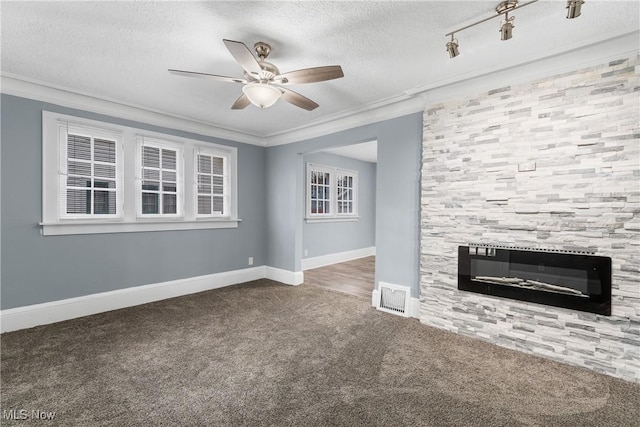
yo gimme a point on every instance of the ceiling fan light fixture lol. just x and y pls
(261, 94)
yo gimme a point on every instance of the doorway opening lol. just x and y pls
(338, 241)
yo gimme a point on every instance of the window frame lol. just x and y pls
(66, 129)
(333, 214)
(128, 219)
(226, 187)
(141, 142)
(354, 188)
(311, 168)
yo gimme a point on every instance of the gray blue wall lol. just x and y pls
(38, 269)
(323, 238)
(397, 197)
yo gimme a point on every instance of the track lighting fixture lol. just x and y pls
(573, 8)
(506, 28)
(452, 47)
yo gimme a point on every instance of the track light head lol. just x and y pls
(506, 31)
(574, 8)
(452, 48)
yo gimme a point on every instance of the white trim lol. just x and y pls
(333, 219)
(416, 99)
(413, 304)
(413, 308)
(287, 277)
(13, 84)
(229, 193)
(160, 144)
(391, 108)
(411, 101)
(130, 218)
(56, 311)
(59, 229)
(460, 86)
(333, 214)
(335, 258)
(55, 129)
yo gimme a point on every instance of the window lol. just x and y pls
(320, 193)
(331, 193)
(212, 180)
(344, 184)
(104, 178)
(160, 191)
(90, 160)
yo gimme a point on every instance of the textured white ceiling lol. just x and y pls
(121, 50)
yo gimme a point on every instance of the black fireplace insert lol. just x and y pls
(576, 281)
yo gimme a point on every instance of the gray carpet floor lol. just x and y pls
(265, 354)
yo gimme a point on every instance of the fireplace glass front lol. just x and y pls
(576, 281)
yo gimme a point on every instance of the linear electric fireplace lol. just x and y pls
(576, 281)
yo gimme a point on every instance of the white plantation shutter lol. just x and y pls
(160, 178)
(88, 171)
(98, 177)
(211, 184)
(169, 181)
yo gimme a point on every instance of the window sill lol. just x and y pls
(92, 227)
(333, 219)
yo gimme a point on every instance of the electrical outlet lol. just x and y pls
(250, 260)
(306, 252)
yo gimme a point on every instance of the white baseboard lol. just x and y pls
(413, 305)
(324, 260)
(29, 316)
(56, 311)
(287, 277)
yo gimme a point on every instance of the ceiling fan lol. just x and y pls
(263, 82)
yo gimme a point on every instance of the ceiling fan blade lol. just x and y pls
(207, 76)
(243, 55)
(241, 102)
(298, 100)
(310, 75)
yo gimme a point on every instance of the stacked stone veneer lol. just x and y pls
(581, 129)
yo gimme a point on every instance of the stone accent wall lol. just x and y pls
(579, 132)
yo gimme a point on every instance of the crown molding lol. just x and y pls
(371, 113)
(12, 84)
(550, 65)
(411, 101)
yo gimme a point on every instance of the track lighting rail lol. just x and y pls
(506, 29)
(503, 12)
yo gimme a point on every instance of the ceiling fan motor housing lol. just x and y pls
(269, 71)
(262, 49)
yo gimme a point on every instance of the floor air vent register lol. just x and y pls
(393, 299)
